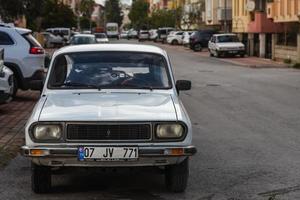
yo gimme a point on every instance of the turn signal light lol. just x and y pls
(39, 152)
(177, 152)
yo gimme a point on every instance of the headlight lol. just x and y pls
(47, 132)
(169, 131)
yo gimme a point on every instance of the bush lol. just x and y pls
(296, 65)
(287, 61)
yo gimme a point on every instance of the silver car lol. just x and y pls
(109, 105)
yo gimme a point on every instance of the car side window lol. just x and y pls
(5, 39)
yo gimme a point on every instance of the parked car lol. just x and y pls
(124, 34)
(199, 39)
(23, 55)
(186, 38)
(226, 44)
(175, 37)
(6, 81)
(143, 35)
(83, 39)
(101, 38)
(162, 34)
(153, 34)
(110, 106)
(66, 33)
(112, 30)
(132, 34)
(52, 40)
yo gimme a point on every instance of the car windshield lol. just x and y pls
(227, 38)
(83, 40)
(118, 70)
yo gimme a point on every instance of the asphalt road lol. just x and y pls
(246, 127)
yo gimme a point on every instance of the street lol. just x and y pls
(246, 126)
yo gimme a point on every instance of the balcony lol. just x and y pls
(224, 14)
(261, 24)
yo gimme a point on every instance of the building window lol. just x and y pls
(289, 36)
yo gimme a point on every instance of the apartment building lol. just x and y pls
(250, 21)
(218, 13)
(193, 12)
(286, 44)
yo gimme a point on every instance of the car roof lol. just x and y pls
(224, 34)
(111, 47)
(84, 35)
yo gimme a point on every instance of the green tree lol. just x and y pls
(113, 11)
(138, 14)
(163, 18)
(11, 9)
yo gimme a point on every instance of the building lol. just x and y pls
(250, 21)
(218, 13)
(72, 4)
(286, 44)
(193, 14)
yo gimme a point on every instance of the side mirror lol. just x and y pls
(37, 85)
(183, 85)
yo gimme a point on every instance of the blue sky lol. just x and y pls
(123, 1)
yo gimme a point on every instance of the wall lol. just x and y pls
(240, 16)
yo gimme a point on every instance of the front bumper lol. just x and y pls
(148, 156)
(232, 52)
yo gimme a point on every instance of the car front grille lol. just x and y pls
(108, 132)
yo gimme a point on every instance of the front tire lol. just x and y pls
(40, 178)
(176, 176)
(197, 47)
(174, 42)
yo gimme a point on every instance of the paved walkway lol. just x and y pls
(13, 117)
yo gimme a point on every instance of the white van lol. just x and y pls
(112, 30)
(65, 32)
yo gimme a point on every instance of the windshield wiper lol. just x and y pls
(132, 86)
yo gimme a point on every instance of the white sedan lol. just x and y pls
(6, 81)
(109, 105)
(226, 44)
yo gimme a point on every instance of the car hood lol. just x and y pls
(100, 106)
(230, 44)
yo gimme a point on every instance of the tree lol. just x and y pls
(12, 9)
(163, 18)
(113, 12)
(138, 14)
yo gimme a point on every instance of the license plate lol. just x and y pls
(232, 51)
(107, 153)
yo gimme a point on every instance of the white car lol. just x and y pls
(186, 38)
(124, 34)
(112, 30)
(226, 44)
(101, 38)
(23, 55)
(6, 81)
(153, 34)
(109, 105)
(66, 33)
(52, 40)
(175, 37)
(143, 35)
(81, 39)
(132, 34)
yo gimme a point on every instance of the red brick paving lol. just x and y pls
(13, 117)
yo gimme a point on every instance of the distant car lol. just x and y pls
(101, 38)
(6, 81)
(153, 34)
(186, 38)
(132, 34)
(162, 34)
(199, 39)
(86, 32)
(24, 55)
(143, 35)
(66, 33)
(175, 37)
(52, 40)
(112, 30)
(83, 39)
(124, 34)
(226, 44)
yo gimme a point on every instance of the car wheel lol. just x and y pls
(242, 55)
(174, 42)
(197, 47)
(176, 176)
(217, 54)
(40, 178)
(210, 53)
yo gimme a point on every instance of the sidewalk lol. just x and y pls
(13, 117)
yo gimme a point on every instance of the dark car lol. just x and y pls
(199, 39)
